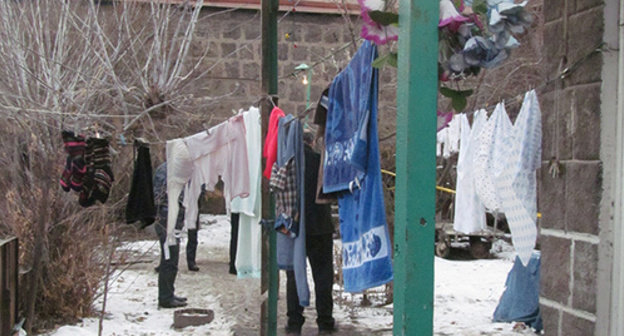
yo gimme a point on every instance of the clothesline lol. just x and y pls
(563, 74)
(322, 60)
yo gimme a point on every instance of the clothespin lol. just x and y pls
(554, 168)
(96, 128)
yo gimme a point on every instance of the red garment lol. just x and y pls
(270, 143)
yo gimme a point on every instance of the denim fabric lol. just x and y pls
(520, 300)
(289, 145)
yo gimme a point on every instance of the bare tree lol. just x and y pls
(94, 68)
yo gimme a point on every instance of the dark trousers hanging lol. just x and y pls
(140, 206)
(168, 269)
(233, 241)
(320, 250)
(191, 247)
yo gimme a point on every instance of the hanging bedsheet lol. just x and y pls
(469, 210)
(517, 183)
(352, 166)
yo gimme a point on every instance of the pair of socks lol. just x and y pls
(99, 175)
(75, 166)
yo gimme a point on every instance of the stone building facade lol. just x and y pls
(233, 44)
(579, 227)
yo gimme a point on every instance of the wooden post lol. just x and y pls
(416, 161)
(270, 273)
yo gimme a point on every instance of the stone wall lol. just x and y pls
(570, 201)
(231, 41)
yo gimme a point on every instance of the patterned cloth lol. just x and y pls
(353, 156)
(283, 184)
(489, 157)
(517, 183)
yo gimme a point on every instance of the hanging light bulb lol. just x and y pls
(305, 80)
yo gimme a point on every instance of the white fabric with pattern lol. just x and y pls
(489, 159)
(517, 183)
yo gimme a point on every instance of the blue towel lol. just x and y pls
(291, 252)
(349, 107)
(520, 300)
(352, 116)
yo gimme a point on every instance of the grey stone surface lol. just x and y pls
(554, 47)
(555, 272)
(582, 5)
(585, 33)
(575, 326)
(551, 200)
(550, 317)
(553, 9)
(584, 103)
(583, 181)
(585, 271)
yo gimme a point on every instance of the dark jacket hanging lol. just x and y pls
(141, 199)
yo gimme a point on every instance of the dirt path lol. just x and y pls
(239, 299)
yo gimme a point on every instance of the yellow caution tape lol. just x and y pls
(450, 191)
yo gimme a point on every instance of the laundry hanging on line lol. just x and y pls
(140, 205)
(201, 159)
(248, 259)
(352, 168)
(87, 168)
(497, 167)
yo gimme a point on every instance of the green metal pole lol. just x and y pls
(270, 273)
(416, 161)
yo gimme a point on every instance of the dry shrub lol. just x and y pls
(71, 65)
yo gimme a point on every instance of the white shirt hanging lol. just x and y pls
(517, 182)
(469, 211)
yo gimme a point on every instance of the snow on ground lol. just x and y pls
(466, 294)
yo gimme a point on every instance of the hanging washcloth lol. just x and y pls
(490, 156)
(469, 211)
(517, 183)
(248, 254)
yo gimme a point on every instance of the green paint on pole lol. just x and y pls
(269, 87)
(416, 161)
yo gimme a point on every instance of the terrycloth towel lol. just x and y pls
(345, 136)
(469, 210)
(520, 300)
(489, 159)
(517, 183)
(352, 122)
(291, 252)
(248, 254)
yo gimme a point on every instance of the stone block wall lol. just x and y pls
(231, 43)
(570, 201)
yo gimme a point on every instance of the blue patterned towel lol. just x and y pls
(352, 120)
(345, 136)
